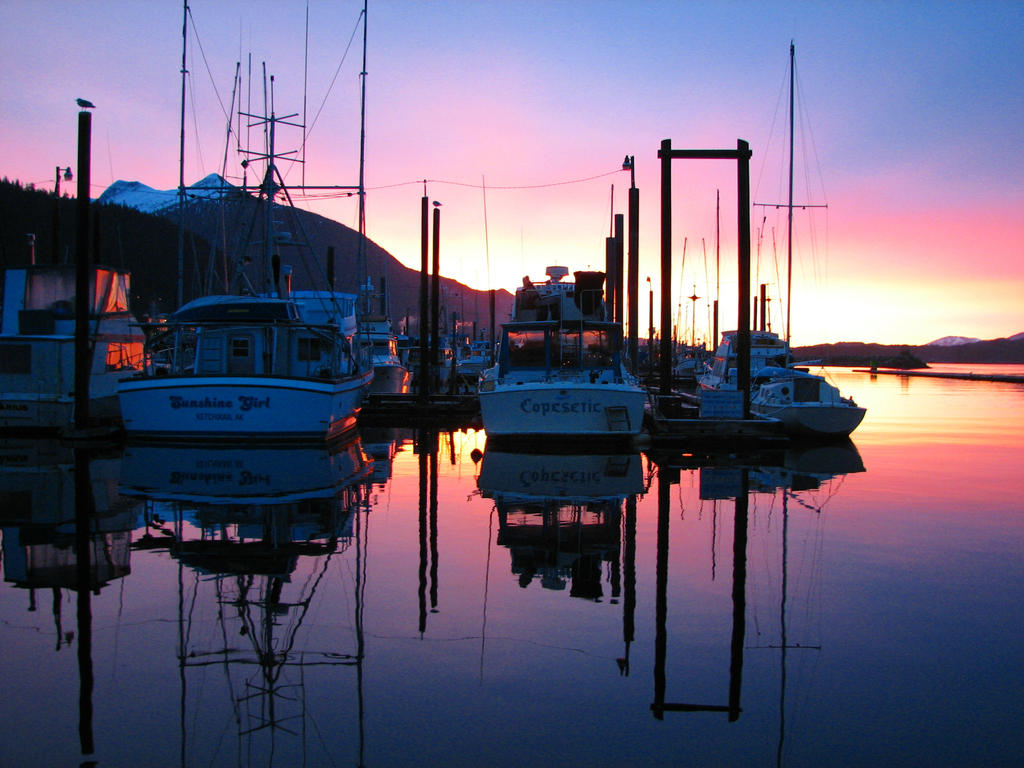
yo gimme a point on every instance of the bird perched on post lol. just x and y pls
(85, 104)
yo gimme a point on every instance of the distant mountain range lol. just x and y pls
(951, 341)
(135, 194)
(855, 353)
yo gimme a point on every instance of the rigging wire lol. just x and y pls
(337, 71)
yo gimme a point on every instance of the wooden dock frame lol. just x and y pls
(415, 410)
(672, 419)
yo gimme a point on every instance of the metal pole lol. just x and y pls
(181, 162)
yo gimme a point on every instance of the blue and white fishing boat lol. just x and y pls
(270, 363)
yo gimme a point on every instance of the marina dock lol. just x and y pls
(1000, 377)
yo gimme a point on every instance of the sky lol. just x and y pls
(909, 120)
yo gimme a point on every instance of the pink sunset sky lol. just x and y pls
(909, 114)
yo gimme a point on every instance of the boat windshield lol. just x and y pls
(526, 349)
(563, 348)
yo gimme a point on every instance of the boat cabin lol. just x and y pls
(246, 336)
(555, 348)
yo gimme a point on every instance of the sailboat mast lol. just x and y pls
(789, 207)
(362, 267)
(181, 161)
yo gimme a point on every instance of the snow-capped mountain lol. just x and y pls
(135, 194)
(951, 341)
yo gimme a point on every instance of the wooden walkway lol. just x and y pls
(1008, 378)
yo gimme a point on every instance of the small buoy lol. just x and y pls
(476, 454)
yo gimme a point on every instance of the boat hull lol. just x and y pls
(225, 407)
(390, 379)
(815, 420)
(571, 409)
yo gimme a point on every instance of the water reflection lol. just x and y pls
(740, 477)
(560, 516)
(64, 527)
(254, 531)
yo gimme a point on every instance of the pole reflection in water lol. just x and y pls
(427, 449)
(254, 534)
(738, 477)
(739, 575)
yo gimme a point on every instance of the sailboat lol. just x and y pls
(806, 404)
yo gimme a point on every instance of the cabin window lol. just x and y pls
(565, 349)
(240, 355)
(123, 356)
(806, 390)
(15, 358)
(311, 349)
(598, 349)
(526, 349)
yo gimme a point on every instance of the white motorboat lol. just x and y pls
(475, 358)
(560, 368)
(390, 374)
(766, 349)
(37, 346)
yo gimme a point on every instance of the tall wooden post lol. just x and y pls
(83, 296)
(435, 291)
(665, 367)
(633, 275)
(618, 254)
(423, 374)
(743, 272)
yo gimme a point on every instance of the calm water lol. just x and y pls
(389, 605)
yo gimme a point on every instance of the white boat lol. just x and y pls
(560, 368)
(766, 349)
(390, 374)
(474, 359)
(806, 404)
(272, 363)
(37, 346)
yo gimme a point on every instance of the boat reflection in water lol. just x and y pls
(43, 483)
(254, 531)
(560, 516)
(64, 527)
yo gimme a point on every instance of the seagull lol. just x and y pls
(85, 104)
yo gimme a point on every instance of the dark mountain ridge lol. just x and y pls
(219, 235)
(855, 353)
